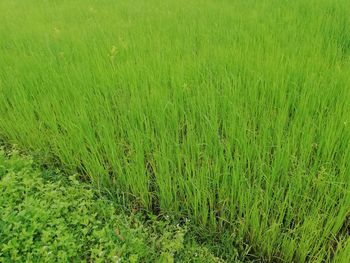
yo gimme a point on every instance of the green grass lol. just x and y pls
(234, 114)
(46, 217)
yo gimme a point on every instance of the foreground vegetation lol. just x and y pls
(48, 218)
(232, 113)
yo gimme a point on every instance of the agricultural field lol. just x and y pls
(231, 117)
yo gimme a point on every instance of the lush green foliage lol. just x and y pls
(232, 113)
(59, 220)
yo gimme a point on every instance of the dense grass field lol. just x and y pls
(234, 114)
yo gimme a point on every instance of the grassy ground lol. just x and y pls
(46, 217)
(232, 113)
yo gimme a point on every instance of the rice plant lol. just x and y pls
(234, 114)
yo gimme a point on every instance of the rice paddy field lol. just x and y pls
(233, 114)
